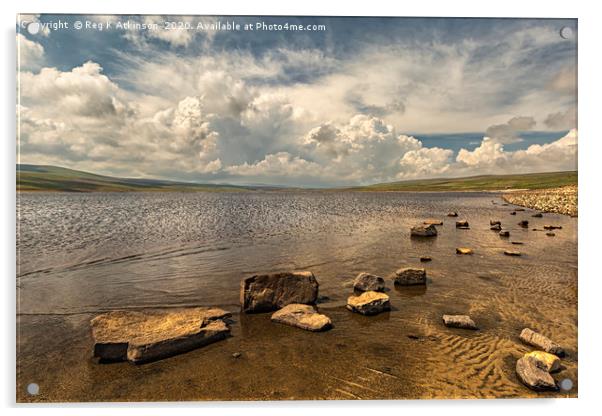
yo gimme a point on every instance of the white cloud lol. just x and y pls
(30, 54)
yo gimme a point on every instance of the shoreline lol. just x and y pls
(561, 200)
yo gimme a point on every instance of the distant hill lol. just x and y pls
(479, 183)
(54, 178)
(57, 179)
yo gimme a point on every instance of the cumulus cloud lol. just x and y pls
(508, 132)
(30, 54)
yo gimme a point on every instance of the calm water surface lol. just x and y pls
(82, 254)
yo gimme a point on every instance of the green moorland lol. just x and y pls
(57, 179)
(479, 183)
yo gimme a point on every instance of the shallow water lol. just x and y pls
(82, 254)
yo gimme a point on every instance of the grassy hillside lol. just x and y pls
(480, 183)
(53, 178)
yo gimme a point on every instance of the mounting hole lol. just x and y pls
(566, 33)
(566, 384)
(33, 389)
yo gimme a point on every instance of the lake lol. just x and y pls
(83, 254)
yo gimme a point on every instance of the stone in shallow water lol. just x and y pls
(269, 292)
(545, 360)
(410, 276)
(425, 259)
(530, 337)
(369, 303)
(423, 231)
(432, 221)
(462, 224)
(533, 376)
(552, 227)
(452, 214)
(512, 253)
(524, 224)
(550, 234)
(537, 215)
(147, 336)
(302, 316)
(463, 250)
(459, 321)
(366, 281)
(495, 222)
(496, 227)
(504, 233)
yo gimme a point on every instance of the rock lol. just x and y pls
(552, 227)
(268, 292)
(462, 224)
(533, 376)
(517, 243)
(432, 221)
(140, 337)
(236, 355)
(463, 250)
(495, 222)
(550, 234)
(545, 360)
(524, 223)
(452, 214)
(410, 276)
(504, 233)
(459, 321)
(366, 281)
(496, 227)
(528, 336)
(513, 213)
(423, 231)
(302, 316)
(519, 209)
(512, 253)
(369, 303)
(537, 215)
(425, 259)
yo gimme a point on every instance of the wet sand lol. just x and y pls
(403, 354)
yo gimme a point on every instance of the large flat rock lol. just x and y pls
(302, 316)
(369, 303)
(139, 337)
(269, 292)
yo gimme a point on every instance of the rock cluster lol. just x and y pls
(562, 200)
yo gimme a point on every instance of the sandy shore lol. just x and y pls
(561, 200)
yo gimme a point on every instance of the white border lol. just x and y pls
(590, 70)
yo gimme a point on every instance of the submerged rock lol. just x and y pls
(530, 337)
(268, 292)
(432, 221)
(495, 222)
(517, 243)
(462, 224)
(302, 316)
(425, 259)
(533, 376)
(463, 250)
(423, 231)
(504, 233)
(410, 276)
(140, 337)
(512, 253)
(369, 303)
(552, 227)
(550, 234)
(366, 281)
(452, 214)
(496, 227)
(459, 321)
(545, 360)
(524, 224)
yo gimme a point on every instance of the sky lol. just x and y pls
(355, 101)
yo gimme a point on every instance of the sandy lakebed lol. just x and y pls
(83, 254)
